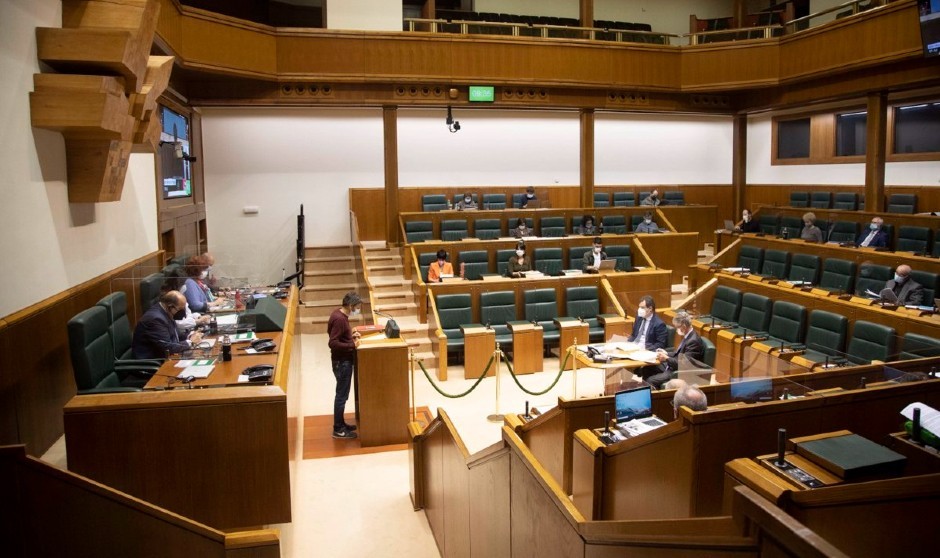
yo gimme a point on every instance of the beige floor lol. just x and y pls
(360, 505)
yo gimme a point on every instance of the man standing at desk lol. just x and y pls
(343, 343)
(156, 335)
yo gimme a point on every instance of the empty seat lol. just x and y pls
(433, 202)
(825, 336)
(548, 260)
(487, 229)
(708, 356)
(931, 283)
(787, 323)
(820, 200)
(804, 267)
(776, 264)
(754, 316)
(872, 277)
(902, 203)
(425, 260)
(494, 201)
(553, 226)
(92, 355)
(844, 231)
(751, 258)
(769, 223)
(674, 197)
(453, 311)
(915, 345)
(838, 276)
(601, 199)
(474, 263)
(913, 239)
(150, 290)
(576, 256)
(623, 256)
(418, 231)
(614, 224)
(624, 199)
(871, 341)
(453, 229)
(582, 303)
(725, 306)
(497, 309)
(846, 201)
(542, 308)
(799, 199)
(793, 226)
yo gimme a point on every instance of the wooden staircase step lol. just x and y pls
(322, 251)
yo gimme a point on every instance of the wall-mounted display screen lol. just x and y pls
(930, 26)
(174, 153)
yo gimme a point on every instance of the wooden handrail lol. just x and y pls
(851, 3)
(543, 27)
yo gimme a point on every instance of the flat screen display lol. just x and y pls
(633, 403)
(174, 148)
(929, 11)
(752, 390)
(482, 94)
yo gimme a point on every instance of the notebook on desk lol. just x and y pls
(634, 411)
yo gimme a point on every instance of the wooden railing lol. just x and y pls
(545, 31)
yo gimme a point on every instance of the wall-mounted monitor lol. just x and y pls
(929, 11)
(174, 151)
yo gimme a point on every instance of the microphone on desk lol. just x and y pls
(526, 415)
(861, 383)
(188, 380)
(392, 331)
(781, 447)
(606, 422)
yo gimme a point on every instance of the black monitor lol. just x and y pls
(752, 390)
(929, 11)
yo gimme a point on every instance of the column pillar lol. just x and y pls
(587, 157)
(875, 147)
(390, 137)
(738, 164)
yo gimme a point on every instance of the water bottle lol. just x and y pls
(213, 326)
(786, 233)
(226, 348)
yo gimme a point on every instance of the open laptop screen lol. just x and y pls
(633, 403)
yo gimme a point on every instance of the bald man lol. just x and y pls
(906, 289)
(156, 335)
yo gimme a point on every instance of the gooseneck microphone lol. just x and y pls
(188, 380)
(781, 447)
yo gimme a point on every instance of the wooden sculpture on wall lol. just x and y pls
(104, 97)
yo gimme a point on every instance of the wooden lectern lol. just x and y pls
(382, 386)
(526, 347)
(570, 329)
(479, 344)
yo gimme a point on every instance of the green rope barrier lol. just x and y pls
(536, 393)
(464, 394)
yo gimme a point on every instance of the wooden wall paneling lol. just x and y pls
(736, 65)
(433, 466)
(674, 251)
(822, 145)
(489, 492)
(456, 489)
(369, 206)
(215, 42)
(875, 138)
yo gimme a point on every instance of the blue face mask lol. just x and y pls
(899, 278)
(873, 227)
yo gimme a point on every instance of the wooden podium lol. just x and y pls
(382, 387)
(570, 329)
(479, 344)
(526, 347)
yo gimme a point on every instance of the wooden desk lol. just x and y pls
(479, 345)
(571, 332)
(220, 455)
(382, 385)
(224, 373)
(527, 348)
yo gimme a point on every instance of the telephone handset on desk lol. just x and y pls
(259, 372)
(262, 345)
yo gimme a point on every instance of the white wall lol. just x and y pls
(661, 149)
(364, 15)
(46, 244)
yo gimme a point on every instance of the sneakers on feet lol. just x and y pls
(345, 435)
(350, 427)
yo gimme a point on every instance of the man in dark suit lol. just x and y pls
(690, 345)
(649, 329)
(156, 335)
(906, 289)
(875, 236)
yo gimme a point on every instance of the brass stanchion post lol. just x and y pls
(411, 382)
(496, 417)
(573, 351)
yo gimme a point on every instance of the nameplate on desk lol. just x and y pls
(450, 279)
(474, 329)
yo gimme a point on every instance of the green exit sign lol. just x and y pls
(482, 94)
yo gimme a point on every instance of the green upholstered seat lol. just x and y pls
(502, 260)
(496, 310)
(614, 224)
(635, 221)
(799, 199)
(902, 203)
(846, 201)
(838, 275)
(487, 229)
(776, 264)
(601, 199)
(787, 323)
(708, 358)
(674, 197)
(553, 226)
(726, 305)
(474, 262)
(820, 200)
(119, 329)
(755, 313)
(582, 302)
(670, 337)
(769, 224)
(542, 308)
(935, 251)
(825, 336)
(913, 239)
(418, 231)
(624, 199)
(622, 254)
(425, 259)
(872, 277)
(915, 345)
(844, 231)
(453, 229)
(931, 283)
(793, 226)
(751, 258)
(433, 202)
(576, 256)
(804, 267)
(871, 341)
(150, 290)
(494, 201)
(92, 354)
(453, 311)
(548, 260)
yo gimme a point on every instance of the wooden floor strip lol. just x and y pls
(320, 444)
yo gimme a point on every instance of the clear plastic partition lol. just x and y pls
(257, 263)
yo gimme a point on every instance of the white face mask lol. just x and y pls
(873, 227)
(356, 312)
(641, 312)
(597, 249)
(204, 274)
(520, 253)
(647, 221)
(530, 196)
(746, 218)
(522, 226)
(467, 200)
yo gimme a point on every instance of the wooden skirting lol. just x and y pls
(35, 370)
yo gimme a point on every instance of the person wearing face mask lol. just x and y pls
(648, 329)
(747, 224)
(668, 361)
(156, 335)
(466, 203)
(652, 199)
(343, 343)
(587, 227)
(647, 225)
(529, 197)
(810, 232)
(440, 268)
(906, 289)
(519, 263)
(593, 258)
(195, 288)
(875, 236)
(521, 229)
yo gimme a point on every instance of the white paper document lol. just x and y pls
(198, 370)
(227, 320)
(929, 417)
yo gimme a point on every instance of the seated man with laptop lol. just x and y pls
(594, 258)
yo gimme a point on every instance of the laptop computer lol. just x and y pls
(607, 265)
(729, 225)
(633, 409)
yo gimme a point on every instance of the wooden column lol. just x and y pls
(587, 157)
(390, 128)
(738, 163)
(587, 16)
(877, 133)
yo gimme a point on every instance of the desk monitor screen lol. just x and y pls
(633, 404)
(607, 265)
(752, 390)
(929, 11)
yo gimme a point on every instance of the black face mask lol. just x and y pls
(180, 315)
